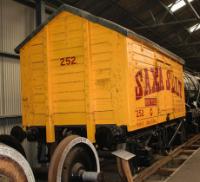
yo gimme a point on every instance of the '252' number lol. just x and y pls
(139, 112)
(67, 61)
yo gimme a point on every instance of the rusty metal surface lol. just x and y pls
(63, 149)
(56, 159)
(11, 171)
(13, 166)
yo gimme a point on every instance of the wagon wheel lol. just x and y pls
(74, 160)
(13, 166)
(11, 141)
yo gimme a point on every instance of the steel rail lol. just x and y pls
(146, 173)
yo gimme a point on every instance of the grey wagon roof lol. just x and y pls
(101, 21)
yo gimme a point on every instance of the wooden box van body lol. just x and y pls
(81, 70)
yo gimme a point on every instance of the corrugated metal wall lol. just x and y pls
(10, 87)
(1, 85)
(8, 123)
(16, 22)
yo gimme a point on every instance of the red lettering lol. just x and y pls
(161, 85)
(174, 86)
(139, 113)
(62, 60)
(73, 60)
(138, 88)
(172, 83)
(150, 101)
(68, 60)
(180, 88)
(147, 89)
(155, 81)
(168, 80)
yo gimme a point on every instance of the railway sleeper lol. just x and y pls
(191, 147)
(187, 152)
(165, 171)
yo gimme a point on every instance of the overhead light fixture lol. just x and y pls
(177, 5)
(194, 28)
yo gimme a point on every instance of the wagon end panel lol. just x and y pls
(53, 74)
(34, 78)
(156, 86)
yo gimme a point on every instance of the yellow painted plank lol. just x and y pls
(69, 106)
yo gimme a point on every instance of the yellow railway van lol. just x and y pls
(83, 73)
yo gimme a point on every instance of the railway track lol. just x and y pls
(167, 165)
(162, 168)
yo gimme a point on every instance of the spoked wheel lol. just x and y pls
(74, 160)
(13, 166)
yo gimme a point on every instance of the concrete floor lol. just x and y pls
(110, 171)
(189, 171)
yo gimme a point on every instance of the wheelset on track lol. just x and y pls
(75, 160)
(13, 166)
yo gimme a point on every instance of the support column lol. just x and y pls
(39, 12)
